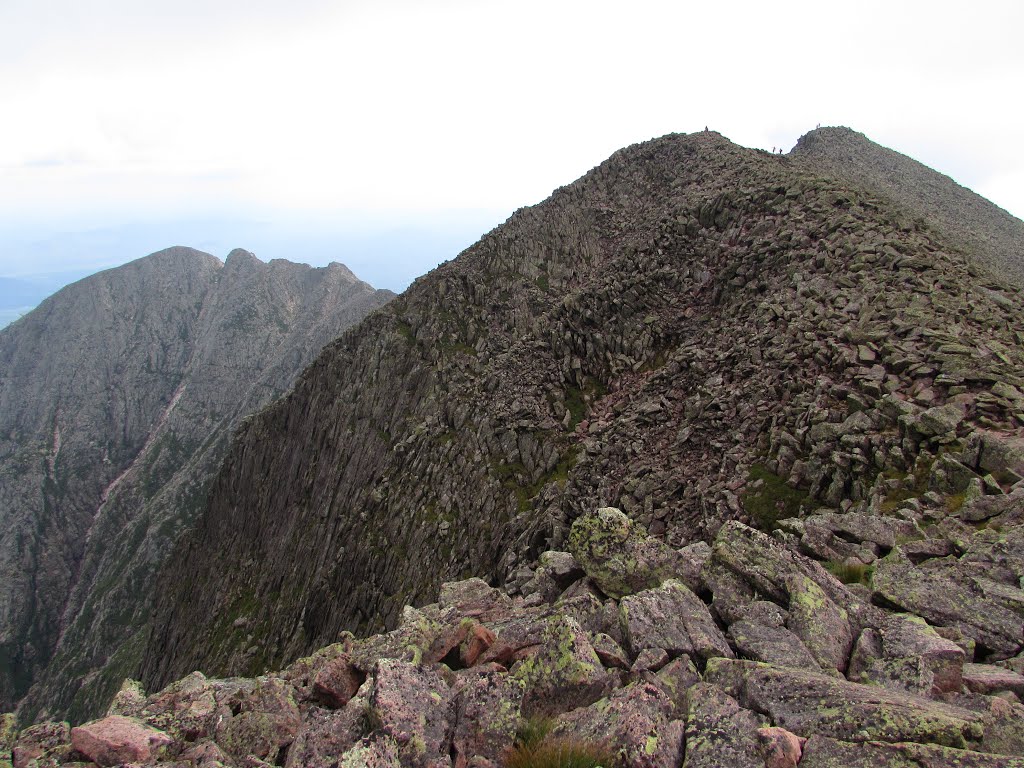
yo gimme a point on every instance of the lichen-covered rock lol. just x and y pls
(487, 713)
(750, 565)
(472, 597)
(414, 637)
(326, 734)
(268, 720)
(43, 740)
(205, 754)
(825, 752)
(564, 673)
(809, 703)
(676, 678)
(672, 618)
(186, 709)
(996, 453)
(375, 751)
(952, 593)
(879, 529)
(610, 652)
(635, 722)
(822, 626)
(617, 555)
(692, 559)
(116, 739)
(719, 732)
(916, 658)
(8, 732)
(415, 706)
(988, 679)
(937, 421)
(770, 644)
(561, 566)
(1003, 723)
(649, 660)
(129, 700)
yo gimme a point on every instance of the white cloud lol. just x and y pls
(316, 105)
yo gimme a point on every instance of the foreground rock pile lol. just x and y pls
(742, 653)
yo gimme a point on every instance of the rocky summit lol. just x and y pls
(118, 397)
(715, 457)
(693, 332)
(744, 653)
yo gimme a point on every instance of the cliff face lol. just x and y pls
(118, 396)
(684, 333)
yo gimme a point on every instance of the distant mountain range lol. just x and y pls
(739, 436)
(118, 397)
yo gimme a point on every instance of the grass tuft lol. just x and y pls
(851, 573)
(535, 747)
(774, 500)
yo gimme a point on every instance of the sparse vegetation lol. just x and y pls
(535, 747)
(850, 573)
(772, 500)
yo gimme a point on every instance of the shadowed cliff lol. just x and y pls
(118, 397)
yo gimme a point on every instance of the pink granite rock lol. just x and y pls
(782, 749)
(337, 681)
(116, 739)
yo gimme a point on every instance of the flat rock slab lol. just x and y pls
(810, 703)
(764, 563)
(951, 594)
(822, 626)
(988, 679)
(772, 645)
(414, 706)
(823, 752)
(116, 739)
(565, 673)
(674, 619)
(636, 722)
(882, 530)
(719, 732)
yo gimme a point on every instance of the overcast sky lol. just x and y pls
(390, 134)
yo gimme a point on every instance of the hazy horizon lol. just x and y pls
(390, 135)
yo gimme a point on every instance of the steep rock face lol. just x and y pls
(692, 332)
(118, 398)
(990, 234)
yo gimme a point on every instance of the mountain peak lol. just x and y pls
(239, 258)
(993, 237)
